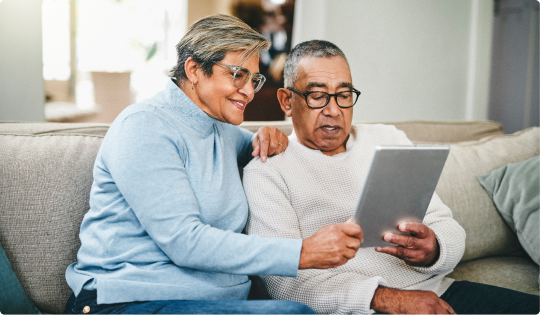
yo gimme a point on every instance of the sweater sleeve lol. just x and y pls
(148, 167)
(272, 215)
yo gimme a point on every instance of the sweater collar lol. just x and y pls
(190, 114)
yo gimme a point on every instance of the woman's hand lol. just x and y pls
(269, 141)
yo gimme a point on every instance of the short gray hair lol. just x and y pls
(312, 48)
(209, 39)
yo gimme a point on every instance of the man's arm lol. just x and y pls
(271, 215)
(394, 301)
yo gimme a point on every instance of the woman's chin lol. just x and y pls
(235, 119)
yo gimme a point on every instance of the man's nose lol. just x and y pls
(331, 109)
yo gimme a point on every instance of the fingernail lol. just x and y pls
(402, 227)
(377, 249)
(387, 237)
(263, 158)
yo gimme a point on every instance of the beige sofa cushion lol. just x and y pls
(45, 183)
(487, 233)
(516, 273)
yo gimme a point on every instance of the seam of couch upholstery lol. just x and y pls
(51, 135)
(58, 131)
(488, 138)
(435, 122)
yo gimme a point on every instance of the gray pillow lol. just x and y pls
(514, 189)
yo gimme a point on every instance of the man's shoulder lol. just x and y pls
(278, 162)
(375, 128)
(385, 134)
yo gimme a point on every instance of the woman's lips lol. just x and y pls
(239, 104)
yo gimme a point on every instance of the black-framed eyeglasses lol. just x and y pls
(318, 99)
(241, 76)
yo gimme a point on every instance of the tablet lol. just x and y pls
(398, 188)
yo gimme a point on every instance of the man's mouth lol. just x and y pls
(330, 129)
(239, 104)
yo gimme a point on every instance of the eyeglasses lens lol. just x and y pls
(320, 99)
(241, 77)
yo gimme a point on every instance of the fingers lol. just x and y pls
(417, 229)
(264, 143)
(256, 147)
(269, 141)
(397, 251)
(402, 240)
(330, 246)
(353, 230)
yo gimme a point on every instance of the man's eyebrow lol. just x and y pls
(346, 84)
(314, 84)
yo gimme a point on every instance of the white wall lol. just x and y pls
(22, 95)
(411, 59)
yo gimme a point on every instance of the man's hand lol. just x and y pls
(394, 301)
(331, 246)
(419, 249)
(269, 141)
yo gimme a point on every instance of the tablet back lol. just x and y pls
(398, 188)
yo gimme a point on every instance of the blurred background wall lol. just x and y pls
(412, 59)
(22, 95)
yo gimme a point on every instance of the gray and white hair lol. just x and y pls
(312, 48)
(209, 39)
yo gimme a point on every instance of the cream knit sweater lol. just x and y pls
(301, 190)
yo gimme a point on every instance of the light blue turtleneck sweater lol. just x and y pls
(167, 207)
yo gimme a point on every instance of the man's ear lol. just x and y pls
(284, 97)
(191, 68)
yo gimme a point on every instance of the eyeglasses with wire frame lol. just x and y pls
(241, 76)
(318, 99)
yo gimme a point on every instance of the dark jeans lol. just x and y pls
(75, 305)
(476, 298)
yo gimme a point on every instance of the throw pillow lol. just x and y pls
(514, 189)
(13, 299)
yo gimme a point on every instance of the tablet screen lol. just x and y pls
(399, 186)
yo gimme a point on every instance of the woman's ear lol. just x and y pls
(191, 68)
(284, 98)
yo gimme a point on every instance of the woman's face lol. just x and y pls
(218, 97)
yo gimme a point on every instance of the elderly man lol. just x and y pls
(317, 181)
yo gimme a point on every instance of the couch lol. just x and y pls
(46, 175)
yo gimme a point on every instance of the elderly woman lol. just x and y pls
(167, 205)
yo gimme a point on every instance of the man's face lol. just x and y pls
(325, 129)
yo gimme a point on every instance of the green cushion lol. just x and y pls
(13, 299)
(514, 189)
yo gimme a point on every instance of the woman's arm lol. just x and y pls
(148, 165)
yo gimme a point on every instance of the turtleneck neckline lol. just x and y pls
(192, 115)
